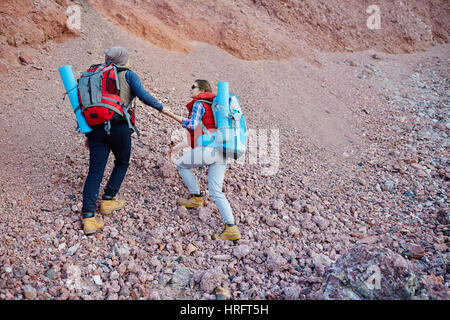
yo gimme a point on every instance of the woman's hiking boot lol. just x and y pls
(231, 232)
(92, 224)
(108, 206)
(193, 202)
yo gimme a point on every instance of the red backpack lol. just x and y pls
(99, 95)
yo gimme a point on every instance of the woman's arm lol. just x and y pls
(173, 116)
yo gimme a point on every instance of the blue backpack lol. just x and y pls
(231, 137)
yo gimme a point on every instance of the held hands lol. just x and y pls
(166, 111)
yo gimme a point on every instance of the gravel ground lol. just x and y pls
(362, 140)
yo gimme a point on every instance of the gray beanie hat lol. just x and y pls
(117, 55)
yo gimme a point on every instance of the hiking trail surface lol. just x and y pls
(356, 123)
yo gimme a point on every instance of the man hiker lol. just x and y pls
(119, 87)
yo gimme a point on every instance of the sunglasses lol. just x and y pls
(193, 87)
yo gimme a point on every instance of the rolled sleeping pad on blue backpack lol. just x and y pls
(231, 136)
(70, 84)
(223, 103)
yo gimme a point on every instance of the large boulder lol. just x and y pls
(368, 272)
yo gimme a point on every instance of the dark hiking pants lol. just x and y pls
(100, 144)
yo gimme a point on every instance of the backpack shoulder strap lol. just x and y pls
(121, 69)
(206, 101)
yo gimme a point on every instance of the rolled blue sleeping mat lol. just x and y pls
(70, 84)
(223, 101)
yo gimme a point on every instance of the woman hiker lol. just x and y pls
(200, 111)
(100, 143)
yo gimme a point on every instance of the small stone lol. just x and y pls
(308, 225)
(124, 251)
(177, 246)
(275, 261)
(182, 212)
(190, 248)
(292, 292)
(204, 214)
(97, 280)
(222, 257)
(278, 205)
(414, 251)
(181, 277)
(321, 260)
(124, 291)
(369, 240)
(222, 293)
(293, 231)
(376, 57)
(51, 274)
(241, 251)
(388, 185)
(211, 279)
(29, 292)
(3, 67)
(293, 196)
(114, 275)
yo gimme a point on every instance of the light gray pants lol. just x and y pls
(206, 156)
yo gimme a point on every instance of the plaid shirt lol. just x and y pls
(197, 113)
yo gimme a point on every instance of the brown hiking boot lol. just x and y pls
(91, 225)
(108, 206)
(231, 232)
(192, 203)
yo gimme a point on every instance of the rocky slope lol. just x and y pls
(363, 164)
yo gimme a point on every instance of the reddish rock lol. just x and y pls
(414, 251)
